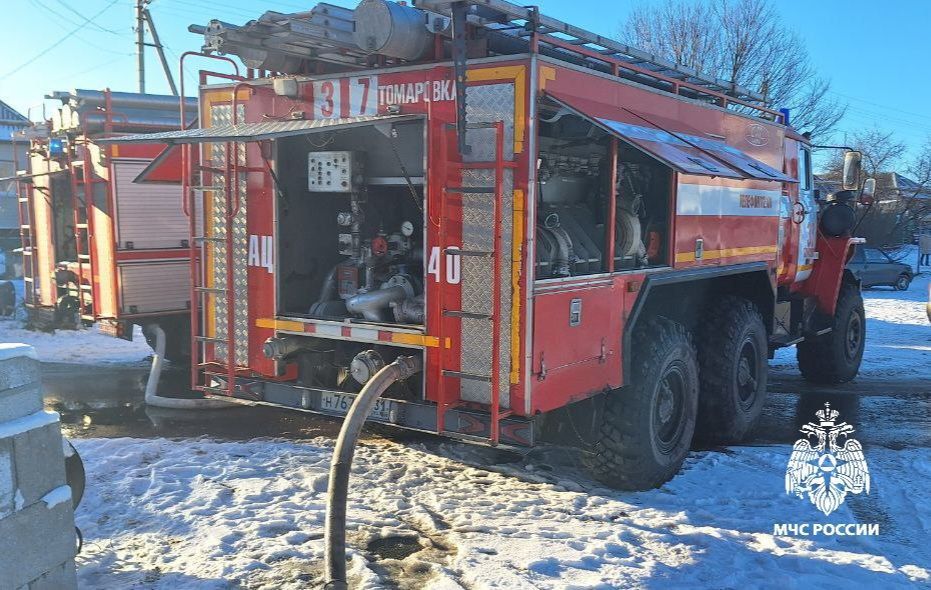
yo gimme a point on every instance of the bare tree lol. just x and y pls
(881, 151)
(677, 31)
(916, 200)
(743, 41)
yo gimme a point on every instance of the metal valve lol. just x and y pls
(364, 365)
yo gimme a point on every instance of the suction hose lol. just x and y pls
(334, 535)
(155, 374)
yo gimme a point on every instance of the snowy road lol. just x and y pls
(204, 514)
(432, 514)
(212, 506)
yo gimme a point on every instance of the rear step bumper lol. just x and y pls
(464, 424)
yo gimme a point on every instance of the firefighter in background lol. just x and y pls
(924, 250)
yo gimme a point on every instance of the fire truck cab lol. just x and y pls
(570, 235)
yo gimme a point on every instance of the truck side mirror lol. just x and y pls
(852, 161)
(869, 188)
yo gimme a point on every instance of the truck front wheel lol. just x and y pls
(732, 356)
(835, 357)
(647, 427)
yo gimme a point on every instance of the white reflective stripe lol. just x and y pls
(708, 200)
(364, 333)
(328, 330)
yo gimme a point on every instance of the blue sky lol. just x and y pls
(874, 53)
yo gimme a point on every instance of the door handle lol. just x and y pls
(798, 213)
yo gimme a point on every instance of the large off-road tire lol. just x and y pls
(732, 357)
(835, 357)
(647, 427)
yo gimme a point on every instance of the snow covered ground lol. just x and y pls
(84, 346)
(898, 336)
(199, 513)
(206, 514)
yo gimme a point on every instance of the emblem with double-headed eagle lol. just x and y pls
(827, 471)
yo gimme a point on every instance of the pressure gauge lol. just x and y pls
(407, 228)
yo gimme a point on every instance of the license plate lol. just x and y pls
(340, 403)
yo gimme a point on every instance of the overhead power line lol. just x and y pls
(86, 20)
(57, 43)
(65, 23)
(882, 106)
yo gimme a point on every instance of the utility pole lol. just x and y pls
(160, 49)
(144, 19)
(140, 44)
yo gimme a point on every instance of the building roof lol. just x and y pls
(903, 184)
(10, 121)
(885, 181)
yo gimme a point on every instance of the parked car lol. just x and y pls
(874, 267)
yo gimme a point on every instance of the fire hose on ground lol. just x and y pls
(334, 535)
(151, 386)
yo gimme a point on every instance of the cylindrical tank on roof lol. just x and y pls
(122, 121)
(56, 120)
(126, 100)
(68, 118)
(64, 119)
(391, 29)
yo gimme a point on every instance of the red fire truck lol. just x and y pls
(562, 229)
(98, 247)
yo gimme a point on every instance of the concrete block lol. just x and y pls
(62, 577)
(20, 401)
(17, 371)
(38, 461)
(33, 540)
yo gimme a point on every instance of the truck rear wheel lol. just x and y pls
(835, 357)
(732, 354)
(647, 427)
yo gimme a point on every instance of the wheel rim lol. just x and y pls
(747, 374)
(854, 336)
(902, 284)
(668, 423)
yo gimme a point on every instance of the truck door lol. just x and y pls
(805, 214)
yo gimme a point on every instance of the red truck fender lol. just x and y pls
(825, 280)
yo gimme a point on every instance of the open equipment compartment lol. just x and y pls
(573, 177)
(350, 216)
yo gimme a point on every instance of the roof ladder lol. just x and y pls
(562, 40)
